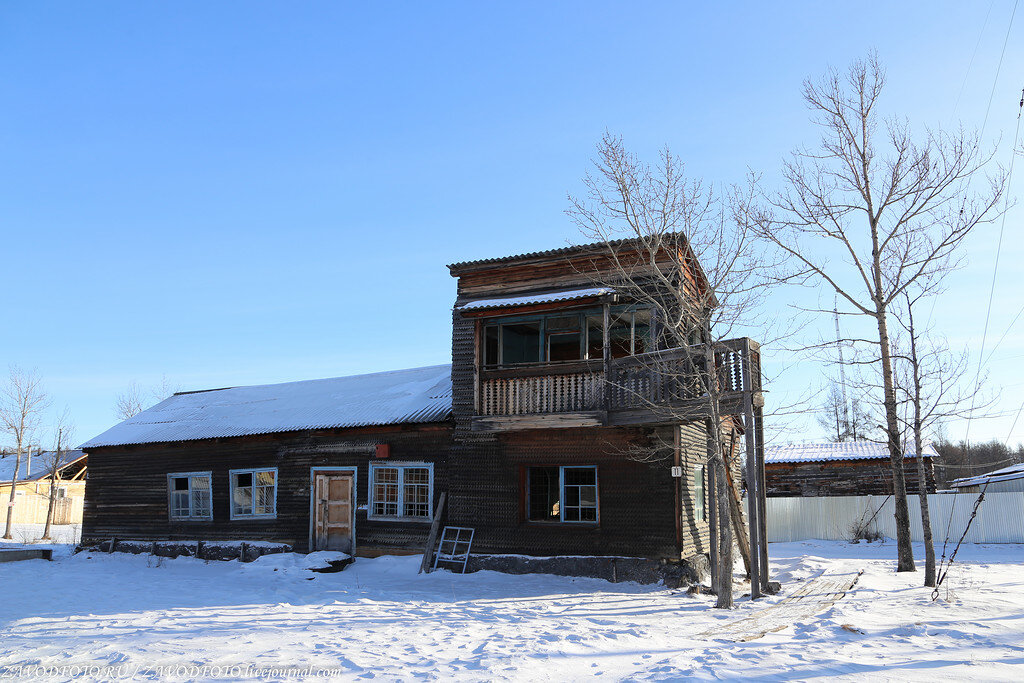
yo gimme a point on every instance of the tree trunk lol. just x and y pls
(725, 598)
(922, 475)
(715, 455)
(49, 506)
(712, 493)
(904, 551)
(736, 512)
(926, 520)
(10, 502)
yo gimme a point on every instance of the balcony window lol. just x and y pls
(620, 334)
(595, 336)
(564, 337)
(520, 343)
(641, 332)
(564, 341)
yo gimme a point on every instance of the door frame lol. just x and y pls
(318, 469)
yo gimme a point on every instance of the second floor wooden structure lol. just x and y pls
(548, 340)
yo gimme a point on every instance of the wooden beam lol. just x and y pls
(755, 489)
(428, 552)
(500, 423)
(606, 354)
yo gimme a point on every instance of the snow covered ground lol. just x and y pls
(169, 618)
(60, 535)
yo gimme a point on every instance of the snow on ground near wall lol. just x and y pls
(378, 618)
(62, 536)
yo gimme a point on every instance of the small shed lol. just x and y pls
(32, 491)
(846, 468)
(1007, 479)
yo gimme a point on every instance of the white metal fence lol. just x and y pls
(1000, 518)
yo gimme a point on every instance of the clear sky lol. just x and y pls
(252, 192)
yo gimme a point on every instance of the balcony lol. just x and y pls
(650, 388)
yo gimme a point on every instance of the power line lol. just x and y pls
(999, 67)
(974, 54)
(1002, 223)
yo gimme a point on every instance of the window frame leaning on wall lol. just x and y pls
(527, 503)
(372, 499)
(191, 517)
(232, 474)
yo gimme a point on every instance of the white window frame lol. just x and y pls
(561, 496)
(401, 467)
(231, 493)
(170, 497)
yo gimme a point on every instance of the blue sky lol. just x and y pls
(239, 193)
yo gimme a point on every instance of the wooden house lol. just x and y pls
(32, 489)
(846, 468)
(529, 433)
(1004, 480)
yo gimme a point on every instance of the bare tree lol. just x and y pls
(870, 211)
(164, 389)
(22, 401)
(933, 385)
(129, 402)
(54, 461)
(675, 249)
(135, 399)
(843, 418)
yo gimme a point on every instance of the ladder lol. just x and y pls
(454, 546)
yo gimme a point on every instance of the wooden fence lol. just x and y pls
(30, 508)
(1000, 518)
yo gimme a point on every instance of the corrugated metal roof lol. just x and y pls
(564, 295)
(40, 464)
(547, 252)
(401, 396)
(1004, 474)
(844, 450)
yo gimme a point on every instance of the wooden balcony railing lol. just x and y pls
(556, 393)
(659, 378)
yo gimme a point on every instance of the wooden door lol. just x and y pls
(334, 506)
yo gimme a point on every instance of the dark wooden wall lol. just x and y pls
(126, 490)
(842, 478)
(635, 499)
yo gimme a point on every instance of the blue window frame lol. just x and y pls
(562, 494)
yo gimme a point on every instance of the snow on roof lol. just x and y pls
(1004, 474)
(40, 464)
(564, 295)
(400, 396)
(844, 450)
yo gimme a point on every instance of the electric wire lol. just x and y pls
(995, 269)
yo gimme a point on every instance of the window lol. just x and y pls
(561, 494)
(564, 340)
(189, 495)
(565, 337)
(700, 492)
(401, 491)
(630, 333)
(254, 493)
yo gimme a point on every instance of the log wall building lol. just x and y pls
(853, 468)
(532, 433)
